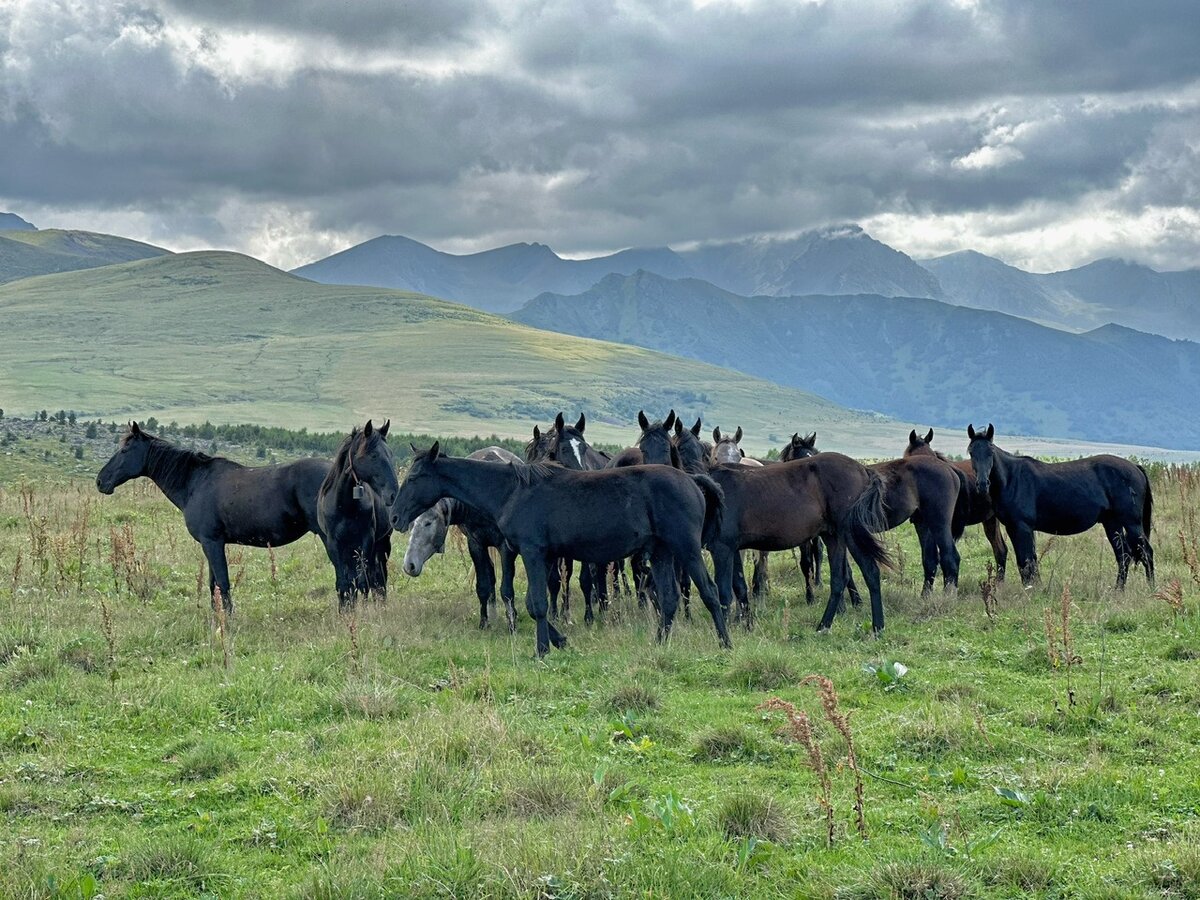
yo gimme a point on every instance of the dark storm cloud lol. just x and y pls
(595, 125)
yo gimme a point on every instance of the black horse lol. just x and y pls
(974, 506)
(546, 512)
(1066, 498)
(570, 449)
(780, 507)
(354, 521)
(224, 502)
(429, 537)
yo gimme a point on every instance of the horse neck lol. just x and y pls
(1003, 466)
(174, 469)
(484, 485)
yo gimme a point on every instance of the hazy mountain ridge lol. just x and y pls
(837, 260)
(912, 358)
(13, 222)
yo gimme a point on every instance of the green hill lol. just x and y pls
(25, 254)
(224, 337)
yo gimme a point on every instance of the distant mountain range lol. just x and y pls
(838, 260)
(27, 252)
(918, 360)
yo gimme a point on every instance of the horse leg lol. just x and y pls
(569, 570)
(214, 552)
(508, 569)
(1139, 545)
(1025, 546)
(536, 565)
(587, 584)
(762, 577)
(870, 573)
(949, 558)
(625, 588)
(723, 565)
(807, 557)
(991, 528)
(1116, 537)
(707, 588)
(662, 568)
(642, 579)
(685, 589)
(838, 569)
(554, 585)
(485, 577)
(818, 551)
(929, 556)
(379, 577)
(741, 591)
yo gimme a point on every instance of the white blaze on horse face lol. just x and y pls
(574, 442)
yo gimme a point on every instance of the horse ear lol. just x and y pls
(912, 436)
(696, 427)
(383, 429)
(643, 422)
(669, 421)
(368, 429)
(970, 432)
(414, 448)
(581, 424)
(134, 429)
(537, 433)
(812, 439)
(929, 437)
(679, 428)
(717, 434)
(737, 436)
(559, 423)
(435, 449)
(991, 432)
(796, 437)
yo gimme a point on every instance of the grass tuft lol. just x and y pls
(717, 744)
(762, 670)
(754, 815)
(634, 696)
(206, 759)
(183, 860)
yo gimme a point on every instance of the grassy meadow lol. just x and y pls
(148, 750)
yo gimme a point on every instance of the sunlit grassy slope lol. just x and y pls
(222, 336)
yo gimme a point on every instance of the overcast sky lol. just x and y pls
(1046, 132)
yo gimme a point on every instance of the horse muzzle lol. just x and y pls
(103, 487)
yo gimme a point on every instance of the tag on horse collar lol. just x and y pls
(359, 492)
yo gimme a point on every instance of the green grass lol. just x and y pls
(401, 751)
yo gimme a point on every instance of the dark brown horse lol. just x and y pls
(780, 507)
(810, 551)
(974, 507)
(546, 512)
(1066, 498)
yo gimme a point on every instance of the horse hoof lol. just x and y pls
(823, 630)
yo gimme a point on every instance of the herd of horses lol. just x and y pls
(658, 504)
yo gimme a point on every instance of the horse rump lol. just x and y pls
(714, 508)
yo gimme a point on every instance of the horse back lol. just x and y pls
(259, 505)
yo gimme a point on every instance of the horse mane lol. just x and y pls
(534, 472)
(531, 446)
(171, 465)
(339, 462)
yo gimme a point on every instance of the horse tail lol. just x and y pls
(1147, 504)
(962, 506)
(714, 507)
(866, 517)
